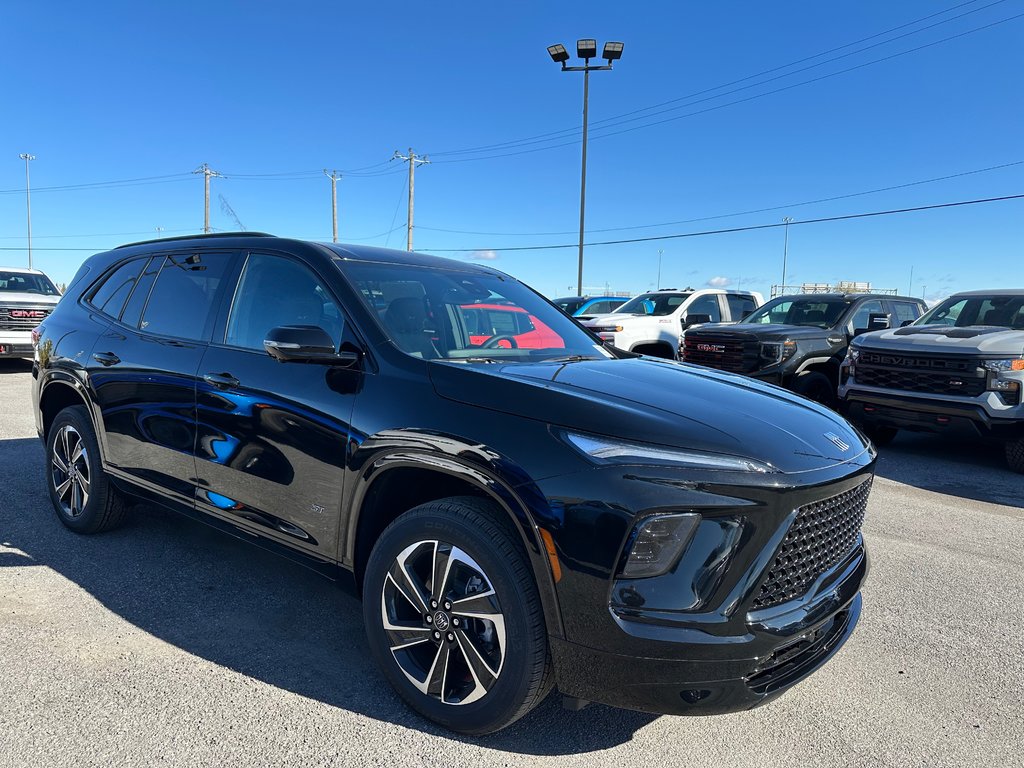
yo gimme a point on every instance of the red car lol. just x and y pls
(515, 325)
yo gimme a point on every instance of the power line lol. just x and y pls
(738, 213)
(614, 119)
(734, 229)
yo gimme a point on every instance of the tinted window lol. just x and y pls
(114, 290)
(137, 301)
(706, 305)
(864, 311)
(180, 303)
(27, 282)
(906, 310)
(658, 304)
(817, 313)
(740, 305)
(275, 291)
(569, 306)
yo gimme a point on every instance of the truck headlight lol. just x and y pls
(773, 352)
(602, 450)
(656, 544)
(1004, 366)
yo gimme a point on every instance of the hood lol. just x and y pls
(763, 331)
(649, 401)
(944, 339)
(22, 298)
(622, 318)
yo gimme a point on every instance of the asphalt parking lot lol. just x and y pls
(165, 643)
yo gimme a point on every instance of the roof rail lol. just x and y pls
(210, 236)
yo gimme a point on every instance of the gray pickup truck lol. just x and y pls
(958, 369)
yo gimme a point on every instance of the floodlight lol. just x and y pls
(612, 51)
(558, 53)
(586, 49)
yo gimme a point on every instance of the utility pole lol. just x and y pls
(787, 220)
(28, 203)
(207, 173)
(658, 286)
(910, 286)
(334, 176)
(412, 158)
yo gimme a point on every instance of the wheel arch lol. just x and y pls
(58, 392)
(395, 483)
(656, 344)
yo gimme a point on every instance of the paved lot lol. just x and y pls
(164, 643)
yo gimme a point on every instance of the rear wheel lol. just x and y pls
(82, 495)
(453, 616)
(815, 386)
(1015, 454)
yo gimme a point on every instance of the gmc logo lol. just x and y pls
(28, 313)
(718, 348)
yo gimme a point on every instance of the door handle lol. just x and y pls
(221, 380)
(106, 358)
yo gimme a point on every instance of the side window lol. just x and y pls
(706, 305)
(112, 292)
(182, 300)
(137, 302)
(868, 308)
(905, 311)
(739, 305)
(275, 291)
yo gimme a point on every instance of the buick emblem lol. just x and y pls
(837, 441)
(441, 621)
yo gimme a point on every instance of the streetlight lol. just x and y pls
(586, 49)
(28, 204)
(787, 220)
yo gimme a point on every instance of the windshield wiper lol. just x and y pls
(474, 360)
(572, 359)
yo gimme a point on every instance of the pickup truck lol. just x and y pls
(959, 369)
(653, 323)
(27, 297)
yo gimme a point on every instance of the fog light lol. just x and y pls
(658, 543)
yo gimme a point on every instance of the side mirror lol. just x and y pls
(692, 319)
(905, 323)
(877, 321)
(306, 344)
(746, 314)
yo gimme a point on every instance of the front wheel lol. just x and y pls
(817, 387)
(1015, 454)
(453, 616)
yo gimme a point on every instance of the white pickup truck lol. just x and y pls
(653, 323)
(26, 297)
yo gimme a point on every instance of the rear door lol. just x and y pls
(272, 437)
(143, 368)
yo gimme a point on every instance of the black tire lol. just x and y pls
(881, 436)
(82, 494)
(1015, 454)
(486, 573)
(817, 387)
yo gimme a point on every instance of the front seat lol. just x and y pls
(406, 319)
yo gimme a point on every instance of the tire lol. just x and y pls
(881, 436)
(440, 651)
(1015, 454)
(82, 495)
(815, 386)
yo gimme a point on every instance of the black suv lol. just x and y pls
(517, 512)
(798, 342)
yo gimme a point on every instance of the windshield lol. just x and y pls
(1001, 311)
(815, 313)
(27, 282)
(441, 314)
(659, 304)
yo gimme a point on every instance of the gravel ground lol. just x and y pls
(166, 643)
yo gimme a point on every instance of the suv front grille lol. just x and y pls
(912, 373)
(822, 534)
(726, 353)
(15, 318)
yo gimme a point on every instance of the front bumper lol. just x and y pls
(782, 645)
(927, 415)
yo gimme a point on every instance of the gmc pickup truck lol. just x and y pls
(27, 297)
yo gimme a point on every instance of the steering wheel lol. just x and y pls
(492, 342)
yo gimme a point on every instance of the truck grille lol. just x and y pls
(16, 318)
(726, 353)
(913, 373)
(823, 533)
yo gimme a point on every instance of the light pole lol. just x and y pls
(660, 251)
(28, 203)
(586, 49)
(787, 220)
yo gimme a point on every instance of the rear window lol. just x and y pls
(109, 297)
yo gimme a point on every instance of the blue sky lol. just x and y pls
(270, 93)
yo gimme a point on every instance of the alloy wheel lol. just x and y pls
(69, 471)
(443, 622)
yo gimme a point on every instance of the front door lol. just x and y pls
(272, 437)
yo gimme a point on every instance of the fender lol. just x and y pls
(501, 480)
(65, 378)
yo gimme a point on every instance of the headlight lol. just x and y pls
(657, 543)
(852, 354)
(1004, 366)
(602, 450)
(777, 351)
(608, 329)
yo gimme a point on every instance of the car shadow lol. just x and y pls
(250, 611)
(969, 468)
(15, 365)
